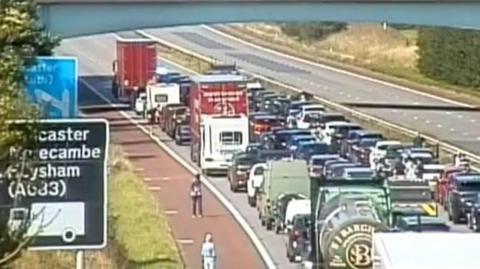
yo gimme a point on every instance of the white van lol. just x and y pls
(255, 180)
(296, 207)
(221, 137)
(160, 95)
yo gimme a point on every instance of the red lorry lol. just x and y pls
(133, 69)
(224, 97)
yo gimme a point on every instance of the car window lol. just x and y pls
(258, 171)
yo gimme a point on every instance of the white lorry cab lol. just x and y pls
(221, 137)
(255, 181)
(160, 95)
(412, 250)
(296, 207)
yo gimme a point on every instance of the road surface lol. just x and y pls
(458, 128)
(165, 177)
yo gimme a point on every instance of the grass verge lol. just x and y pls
(141, 233)
(192, 63)
(407, 77)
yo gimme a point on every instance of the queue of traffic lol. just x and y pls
(312, 174)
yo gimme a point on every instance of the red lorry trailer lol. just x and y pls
(222, 95)
(133, 68)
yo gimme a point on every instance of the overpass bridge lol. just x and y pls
(70, 18)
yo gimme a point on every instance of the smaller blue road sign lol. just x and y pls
(52, 83)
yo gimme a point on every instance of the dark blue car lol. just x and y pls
(306, 150)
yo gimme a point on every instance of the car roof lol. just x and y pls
(302, 136)
(420, 155)
(217, 78)
(467, 177)
(324, 156)
(388, 142)
(434, 166)
(341, 123)
(366, 132)
(359, 169)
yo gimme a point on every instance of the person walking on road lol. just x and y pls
(209, 255)
(196, 195)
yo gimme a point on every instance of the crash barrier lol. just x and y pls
(451, 149)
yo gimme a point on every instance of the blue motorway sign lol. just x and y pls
(52, 84)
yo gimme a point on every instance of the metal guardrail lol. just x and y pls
(362, 116)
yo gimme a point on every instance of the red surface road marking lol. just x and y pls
(234, 249)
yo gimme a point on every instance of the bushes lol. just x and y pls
(312, 31)
(141, 234)
(450, 55)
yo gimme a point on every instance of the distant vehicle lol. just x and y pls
(317, 162)
(443, 185)
(176, 116)
(239, 171)
(308, 120)
(360, 151)
(330, 164)
(381, 148)
(167, 114)
(255, 181)
(295, 141)
(298, 244)
(473, 213)
(182, 135)
(312, 108)
(281, 138)
(337, 170)
(357, 172)
(463, 187)
(133, 68)
(282, 177)
(263, 123)
(354, 137)
(253, 148)
(287, 201)
(219, 120)
(140, 104)
(432, 174)
(158, 96)
(337, 130)
(306, 149)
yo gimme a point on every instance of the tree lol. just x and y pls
(21, 40)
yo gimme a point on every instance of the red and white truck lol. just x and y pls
(219, 120)
(133, 68)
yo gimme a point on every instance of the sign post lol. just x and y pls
(64, 190)
(52, 84)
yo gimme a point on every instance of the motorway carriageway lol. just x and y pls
(95, 55)
(460, 128)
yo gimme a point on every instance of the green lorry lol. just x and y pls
(284, 179)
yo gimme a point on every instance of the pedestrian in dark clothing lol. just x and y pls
(196, 194)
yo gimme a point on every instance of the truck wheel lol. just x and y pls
(232, 187)
(454, 216)
(277, 228)
(251, 201)
(269, 225)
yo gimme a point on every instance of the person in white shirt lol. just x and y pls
(208, 252)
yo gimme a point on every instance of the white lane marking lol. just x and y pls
(170, 212)
(473, 120)
(228, 205)
(460, 116)
(335, 69)
(341, 93)
(185, 241)
(439, 126)
(416, 103)
(156, 178)
(147, 179)
(139, 169)
(452, 130)
(478, 138)
(427, 121)
(415, 117)
(154, 188)
(466, 134)
(361, 115)
(448, 113)
(394, 111)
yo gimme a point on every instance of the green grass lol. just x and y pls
(142, 234)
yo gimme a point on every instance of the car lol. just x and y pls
(380, 150)
(260, 124)
(239, 171)
(357, 172)
(444, 183)
(329, 165)
(280, 209)
(354, 136)
(311, 108)
(182, 135)
(360, 151)
(337, 170)
(254, 182)
(295, 140)
(253, 148)
(337, 130)
(464, 187)
(298, 244)
(279, 139)
(307, 149)
(432, 174)
(473, 214)
(316, 163)
(140, 104)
